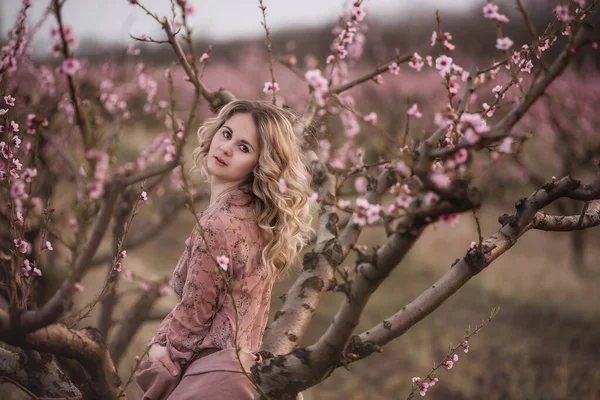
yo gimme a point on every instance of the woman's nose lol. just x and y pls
(225, 148)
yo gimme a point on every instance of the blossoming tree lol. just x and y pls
(61, 187)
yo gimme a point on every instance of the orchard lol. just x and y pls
(414, 153)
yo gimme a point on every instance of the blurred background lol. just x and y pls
(545, 341)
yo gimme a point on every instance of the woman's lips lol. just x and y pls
(220, 162)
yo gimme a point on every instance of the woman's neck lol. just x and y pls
(217, 190)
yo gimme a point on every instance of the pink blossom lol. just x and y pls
(118, 267)
(3, 111)
(48, 245)
(223, 262)
(204, 57)
(314, 198)
(461, 156)
(271, 87)
(123, 254)
(504, 43)
(404, 200)
(37, 272)
(16, 164)
(505, 146)
(9, 100)
(451, 219)
(473, 245)
(282, 185)
(70, 66)
(562, 13)
(414, 111)
(96, 190)
(430, 198)
(440, 180)
(394, 68)
(378, 79)
(143, 196)
(465, 345)
(496, 90)
(490, 10)
(416, 62)
(371, 118)
(343, 204)
(360, 184)
(358, 14)
(78, 286)
(433, 38)
(403, 169)
(453, 87)
(330, 59)
(527, 67)
(373, 213)
(17, 189)
(164, 290)
(14, 126)
(443, 63)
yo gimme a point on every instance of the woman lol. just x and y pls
(254, 226)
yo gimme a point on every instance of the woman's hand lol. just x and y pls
(160, 353)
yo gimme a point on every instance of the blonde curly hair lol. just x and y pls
(284, 218)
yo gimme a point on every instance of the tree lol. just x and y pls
(429, 176)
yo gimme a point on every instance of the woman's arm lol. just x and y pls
(184, 329)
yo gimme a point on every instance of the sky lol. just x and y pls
(110, 21)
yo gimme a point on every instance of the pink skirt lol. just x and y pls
(215, 376)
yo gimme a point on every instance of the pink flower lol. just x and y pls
(189, 10)
(562, 13)
(9, 100)
(473, 245)
(416, 62)
(402, 168)
(282, 185)
(78, 286)
(430, 198)
(490, 10)
(123, 254)
(465, 345)
(371, 118)
(271, 87)
(404, 200)
(414, 111)
(504, 43)
(204, 57)
(164, 290)
(443, 63)
(223, 262)
(358, 14)
(118, 267)
(461, 156)
(48, 245)
(37, 272)
(314, 198)
(505, 146)
(70, 66)
(378, 79)
(143, 196)
(3, 111)
(440, 180)
(394, 68)
(17, 189)
(343, 204)
(433, 38)
(451, 219)
(360, 184)
(14, 126)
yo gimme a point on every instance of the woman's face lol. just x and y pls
(236, 145)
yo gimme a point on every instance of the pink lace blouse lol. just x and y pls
(204, 316)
